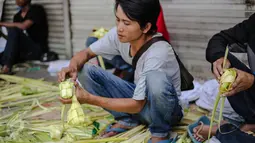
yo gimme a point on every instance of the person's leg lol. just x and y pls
(19, 47)
(90, 40)
(201, 132)
(162, 109)
(29, 49)
(102, 83)
(10, 54)
(230, 133)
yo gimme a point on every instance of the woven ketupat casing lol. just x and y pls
(75, 115)
(227, 80)
(66, 89)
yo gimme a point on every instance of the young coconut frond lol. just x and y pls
(226, 81)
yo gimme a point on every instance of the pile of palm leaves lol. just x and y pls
(31, 113)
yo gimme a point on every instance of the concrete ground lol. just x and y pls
(35, 72)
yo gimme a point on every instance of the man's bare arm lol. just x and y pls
(125, 105)
(21, 25)
(81, 58)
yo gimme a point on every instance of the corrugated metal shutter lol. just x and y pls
(191, 23)
(89, 14)
(58, 20)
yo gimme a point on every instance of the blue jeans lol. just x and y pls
(230, 133)
(19, 48)
(161, 110)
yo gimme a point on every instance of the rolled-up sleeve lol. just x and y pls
(107, 47)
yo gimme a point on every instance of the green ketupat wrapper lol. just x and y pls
(227, 80)
(66, 89)
(75, 115)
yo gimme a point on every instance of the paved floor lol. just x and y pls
(35, 72)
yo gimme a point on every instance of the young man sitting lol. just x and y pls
(153, 99)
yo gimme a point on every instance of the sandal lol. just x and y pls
(201, 121)
(116, 130)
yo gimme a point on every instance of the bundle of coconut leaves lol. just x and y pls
(31, 113)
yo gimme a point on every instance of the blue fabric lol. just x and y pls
(163, 141)
(117, 61)
(118, 130)
(232, 134)
(203, 119)
(161, 110)
(90, 40)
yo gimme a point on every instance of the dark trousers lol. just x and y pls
(19, 48)
(243, 102)
(231, 134)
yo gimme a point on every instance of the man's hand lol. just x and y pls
(243, 81)
(218, 67)
(67, 72)
(81, 94)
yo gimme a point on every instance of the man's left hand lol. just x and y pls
(243, 82)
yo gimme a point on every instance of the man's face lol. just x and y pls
(127, 30)
(21, 2)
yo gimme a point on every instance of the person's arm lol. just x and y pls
(242, 82)
(104, 47)
(81, 58)
(16, 23)
(237, 34)
(125, 105)
(135, 104)
(21, 25)
(76, 63)
(215, 51)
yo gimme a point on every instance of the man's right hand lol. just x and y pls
(75, 64)
(218, 67)
(67, 72)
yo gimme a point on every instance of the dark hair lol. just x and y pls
(142, 11)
